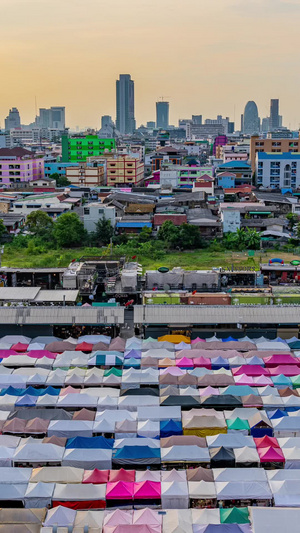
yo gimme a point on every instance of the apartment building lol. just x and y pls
(273, 146)
(86, 175)
(19, 165)
(278, 171)
(124, 170)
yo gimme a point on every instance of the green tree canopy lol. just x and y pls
(69, 230)
(104, 231)
(242, 239)
(61, 181)
(145, 235)
(169, 233)
(3, 229)
(39, 223)
(292, 219)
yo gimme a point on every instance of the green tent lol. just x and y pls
(295, 381)
(238, 424)
(113, 371)
(235, 515)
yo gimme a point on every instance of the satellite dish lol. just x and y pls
(166, 287)
(163, 270)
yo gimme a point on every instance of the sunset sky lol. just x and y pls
(206, 57)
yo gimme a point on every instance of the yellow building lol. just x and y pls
(271, 146)
(124, 170)
(89, 176)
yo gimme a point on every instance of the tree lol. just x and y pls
(292, 219)
(252, 239)
(104, 231)
(39, 223)
(242, 240)
(3, 229)
(189, 237)
(145, 235)
(169, 233)
(69, 230)
(61, 181)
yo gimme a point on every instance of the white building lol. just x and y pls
(93, 212)
(231, 219)
(278, 170)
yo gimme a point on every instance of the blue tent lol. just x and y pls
(219, 362)
(99, 443)
(278, 413)
(136, 454)
(240, 390)
(51, 391)
(281, 380)
(170, 427)
(135, 363)
(12, 391)
(229, 339)
(26, 401)
(137, 354)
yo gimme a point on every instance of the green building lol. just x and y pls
(77, 149)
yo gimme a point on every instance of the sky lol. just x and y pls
(205, 57)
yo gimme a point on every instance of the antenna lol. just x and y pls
(35, 103)
(161, 98)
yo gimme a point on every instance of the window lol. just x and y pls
(86, 211)
(101, 211)
(287, 176)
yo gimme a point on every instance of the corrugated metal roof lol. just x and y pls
(61, 315)
(57, 296)
(18, 293)
(194, 314)
(134, 225)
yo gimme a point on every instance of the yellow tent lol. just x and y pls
(176, 339)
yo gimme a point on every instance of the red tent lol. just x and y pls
(95, 476)
(122, 475)
(19, 347)
(203, 362)
(266, 441)
(38, 354)
(280, 359)
(250, 370)
(84, 347)
(7, 353)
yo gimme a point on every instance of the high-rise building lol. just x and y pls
(151, 125)
(242, 122)
(197, 119)
(51, 118)
(106, 120)
(162, 115)
(125, 104)
(13, 119)
(274, 114)
(251, 119)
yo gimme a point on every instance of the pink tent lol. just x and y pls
(20, 347)
(194, 341)
(250, 370)
(119, 490)
(117, 344)
(133, 528)
(188, 353)
(68, 390)
(122, 475)
(39, 354)
(280, 359)
(173, 371)
(7, 353)
(119, 516)
(146, 490)
(185, 362)
(244, 380)
(95, 476)
(270, 455)
(209, 391)
(203, 362)
(262, 381)
(147, 516)
(286, 370)
(266, 441)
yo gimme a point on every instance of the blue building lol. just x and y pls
(242, 171)
(278, 170)
(57, 167)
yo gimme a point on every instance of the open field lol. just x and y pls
(201, 259)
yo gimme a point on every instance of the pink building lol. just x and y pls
(18, 164)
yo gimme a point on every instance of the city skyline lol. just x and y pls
(55, 48)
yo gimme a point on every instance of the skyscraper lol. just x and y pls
(51, 118)
(125, 104)
(162, 115)
(251, 119)
(274, 114)
(13, 119)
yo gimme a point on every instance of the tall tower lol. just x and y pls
(13, 119)
(274, 114)
(251, 119)
(162, 115)
(125, 104)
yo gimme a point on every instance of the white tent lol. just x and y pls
(78, 492)
(189, 454)
(14, 339)
(88, 458)
(8, 491)
(246, 455)
(286, 493)
(38, 495)
(47, 400)
(6, 457)
(116, 416)
(105, 425)
(274, 520)
(289, 442)
(151, 443)
(173, 475)
(287, 426)
(70, 428)
(282, 475)
(147, 475)
(272, 401)
(38, 453)
(10, 441)
(230, 440)
(292, 457)
(159, 413)
(91, 518)
(60, 516)
(106, 402)
(202, 490)
(239, 474)
(15, 475)
(57, 474)
(133, 402)
(77, 400)
(177, 521)
(56, 377)
(174, 495)
(205, 516)
(243, 490)
(148, 428)
(277, 347)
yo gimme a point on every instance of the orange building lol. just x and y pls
(124, 170)
(271, 146)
